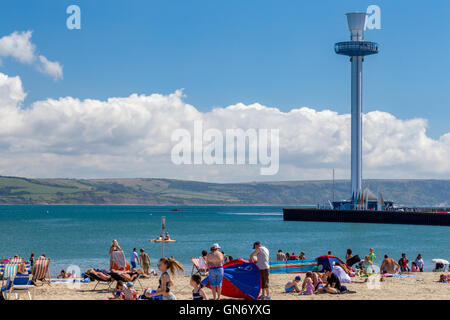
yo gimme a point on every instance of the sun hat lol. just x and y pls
(215, 246)
(298, 278)
(130, 284)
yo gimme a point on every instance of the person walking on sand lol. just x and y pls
(144, 261)
(388, 265)
(134, 259)
(261, 254)
(215, 261)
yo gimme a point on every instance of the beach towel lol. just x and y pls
(118, 260)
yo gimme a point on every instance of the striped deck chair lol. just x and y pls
(17, 260)
(41, 270)
(10, 270)
(196, 265)
(20, 283)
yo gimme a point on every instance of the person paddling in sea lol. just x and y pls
(165, 281)
(215, 261)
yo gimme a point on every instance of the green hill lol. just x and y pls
(15, 190)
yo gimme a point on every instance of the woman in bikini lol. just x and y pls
(165, 281)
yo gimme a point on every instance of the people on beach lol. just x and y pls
(301, 256)
(341, 274)
(293, 256)
(372, 255)
(403, 262)
(32, 260)
(288, 255)
(134, 259)
(292, 286)
(118, 291)
(226, 258)
(197, 293)
(144, 261)
(419, 262)
(414, 267)
(309, 286)
(62, 274)
(261, 255)
(202, 263)
(215, 261)
(128, 291)
(281, 256)
(114, 247)
(102, 274)
(165, 281)
(389, 265)
(21, 269)
(333, 283)
(368, 265)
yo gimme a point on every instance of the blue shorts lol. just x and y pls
(133, 264)
(290, 289)
(215, 277)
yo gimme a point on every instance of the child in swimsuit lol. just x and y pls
(309, 286)
(292, 286)
(197, 293)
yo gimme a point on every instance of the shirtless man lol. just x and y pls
(388, 265)
(215, 261)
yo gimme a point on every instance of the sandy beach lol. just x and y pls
(424, 286)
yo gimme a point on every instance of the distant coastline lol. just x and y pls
(155, 191)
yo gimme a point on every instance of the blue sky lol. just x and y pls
(277, 53)
(239, 63)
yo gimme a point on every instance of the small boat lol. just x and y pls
(160, 240)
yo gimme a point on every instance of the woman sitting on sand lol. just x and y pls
(165, 282)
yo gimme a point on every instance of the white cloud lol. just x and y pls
(131, 137)
(52, 68)
(18, 45)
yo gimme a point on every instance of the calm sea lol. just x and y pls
(81, 235)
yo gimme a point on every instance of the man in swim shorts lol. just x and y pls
(215, 262)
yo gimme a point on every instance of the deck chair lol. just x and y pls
(99, 280)
(197, 268)
(41, 270)
(9, 270)
(20, 283)
(17, 260)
